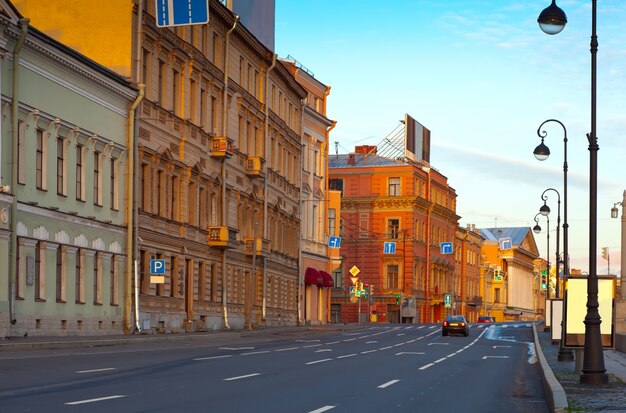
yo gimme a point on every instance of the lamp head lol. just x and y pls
(541, 152)
(552, 19)
(537, 229)
(614, 212)
(544, 210)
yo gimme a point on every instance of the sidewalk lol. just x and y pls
(563, 384)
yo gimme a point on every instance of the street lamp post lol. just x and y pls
(623, 242)
(542, 152)
(545, 211)
(552, 20)
(537, 230)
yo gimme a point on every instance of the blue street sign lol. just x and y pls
(446, 247)
(181, 12)
(157, 267)
(334, 242)
(389, 248)
(505, 243)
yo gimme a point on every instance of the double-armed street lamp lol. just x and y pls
(537, 230)
(542, 152)
(552, 20)
(545, 211)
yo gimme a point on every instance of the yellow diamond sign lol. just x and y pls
(355, 271)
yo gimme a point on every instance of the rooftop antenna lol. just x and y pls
(336, 148)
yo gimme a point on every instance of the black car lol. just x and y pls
(455, 324)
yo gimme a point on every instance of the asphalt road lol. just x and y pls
(373, 368)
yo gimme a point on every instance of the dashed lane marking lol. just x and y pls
(95, 370)
(389, 383)
(242, 377)
(99, 399)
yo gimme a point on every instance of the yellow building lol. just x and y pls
(509, 255)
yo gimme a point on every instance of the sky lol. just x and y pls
(482, 76)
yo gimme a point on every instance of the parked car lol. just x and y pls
(486, 319)
(455, 324)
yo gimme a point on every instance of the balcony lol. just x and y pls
(262, 247)
(255, 166)
(222, 237)
(222, 147)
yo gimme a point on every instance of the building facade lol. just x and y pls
(315, 265)
(218, 165)
(510, 252)
(63, 166)
(468, 300)
(395, 215)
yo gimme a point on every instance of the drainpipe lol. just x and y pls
(301, 301)
(326, 203)
(223, 168)
(14, 170)
(134, 176)
(131, 207)
(266, 156)
(428, 218)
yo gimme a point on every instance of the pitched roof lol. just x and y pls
(360, 160)
(517, 234)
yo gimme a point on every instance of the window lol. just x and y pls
(176, 92)
(216, 50)
(40, 268)
(335, 184)
(161, 193)
(114, 183)
(40, 160)
(60, 166)
(193, 101)
(192, 204)
(393, 228)
(392, 276)
(174, 211)
(203, 109)
(174, 277)
(202, 267)
(79, 289)
(114, 283)
(497, 296)
(97, 279)
(97, 179)
(80, 174)
(145, 190)
(214, 114)
(60, 276)
(162, 84)
(332, 221)
(337, 278)
(394, 186)
(21, 129)
(144, 277)
(145, 68)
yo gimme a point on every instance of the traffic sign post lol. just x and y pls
(157, 271)
(446, 248)
(181, 12)
(334, 242)
(389, 248)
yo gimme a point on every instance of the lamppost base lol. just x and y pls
(594, 378)
(565, 355)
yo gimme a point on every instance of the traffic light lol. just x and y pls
(544, 279)
(605, 253)
(397, 298)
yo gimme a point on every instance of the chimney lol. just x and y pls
(351, 159)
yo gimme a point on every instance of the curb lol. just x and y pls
(554, 391)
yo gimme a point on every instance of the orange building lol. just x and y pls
(395, 215)
(467, 295)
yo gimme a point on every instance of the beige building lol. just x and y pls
(315, 266)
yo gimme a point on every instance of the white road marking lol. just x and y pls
(307, 341)
(255, 352)
(400, 334)
(368, 351)
(389, 383)
(312, 345)
(507, 337)
(399, 344)
(242, 377)
(438, 344)
(409, 352)
(213, 357)
(95, 370)
(385, 348)
(495, 357)
(236, 348)
(333, 342)
(346, 356)
(501, 346)
(349, 339)
(287, 349)
(426, 366)
(440, 360)
(323, 350)
(318, 361)
(322, 409)
(99, 399)
(431, 327)
(371, 342)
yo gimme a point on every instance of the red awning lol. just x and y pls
(313, 276)
(327, 279)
